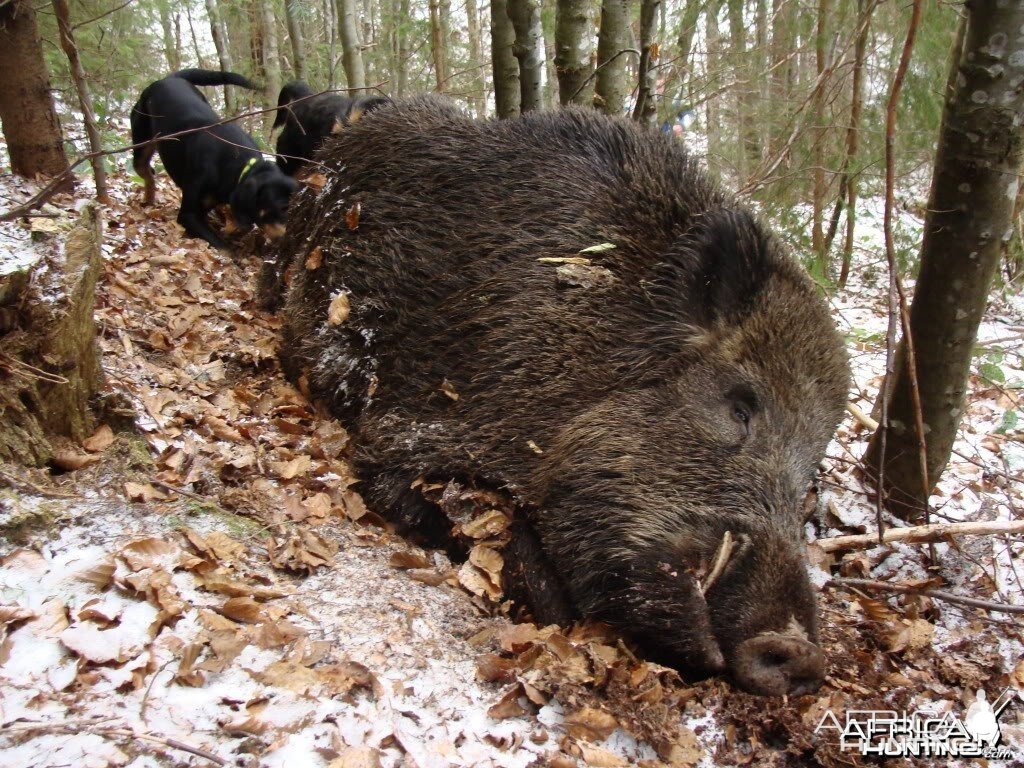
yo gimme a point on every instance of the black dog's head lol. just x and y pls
(261, 198)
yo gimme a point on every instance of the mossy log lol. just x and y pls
(49, 363)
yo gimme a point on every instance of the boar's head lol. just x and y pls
(673, 505)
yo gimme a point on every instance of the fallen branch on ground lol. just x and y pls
(105, 730)
(921, 534)
(862, 418)
(934, 594)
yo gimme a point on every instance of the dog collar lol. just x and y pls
(247, 168)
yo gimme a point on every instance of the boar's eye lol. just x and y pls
(743, 405)
(742, 415)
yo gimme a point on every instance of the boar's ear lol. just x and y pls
(718, 268)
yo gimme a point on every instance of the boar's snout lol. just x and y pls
(774, 665)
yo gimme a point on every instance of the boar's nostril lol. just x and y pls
(774, 665)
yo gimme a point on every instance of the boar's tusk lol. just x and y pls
(719, 562)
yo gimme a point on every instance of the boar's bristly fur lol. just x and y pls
(679, 387)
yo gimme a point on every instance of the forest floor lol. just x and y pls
(199, 583)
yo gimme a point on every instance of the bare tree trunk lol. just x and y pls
(200, 60)
(295, 37)
(67, 43)
(749, 150)
(781, 48)
(368, 41)
(850, 174)
(478, 94)
(574, 65)
(330, 16)
(503, 61)
(171, 48)
(612, 44)
(687, 29)
(352, 55)
(820, 134)
(437, 45)
(974, 185)
(403, 48)
(525, 15)
(220, 42)
(646, 110)
(34, 141)
(714, 57)
(271, 59)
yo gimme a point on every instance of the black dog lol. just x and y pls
(219, 165)
(309, 119)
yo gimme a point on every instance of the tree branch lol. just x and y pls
(934, 594)
(921, 534)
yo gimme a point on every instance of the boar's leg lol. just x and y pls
(415, 517)
(529, 578)
(662, 607)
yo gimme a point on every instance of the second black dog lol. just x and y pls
(220, 165)
(309, 118)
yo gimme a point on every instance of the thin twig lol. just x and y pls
(895, 288)
(123, 732)
(920, 534)
(935, 594)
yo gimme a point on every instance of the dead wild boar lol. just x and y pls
(564, 307)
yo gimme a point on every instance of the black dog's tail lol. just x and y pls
(296, 89)
(214, 77)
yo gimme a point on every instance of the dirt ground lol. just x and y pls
(199, 582)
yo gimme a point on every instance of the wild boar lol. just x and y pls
(564, 307)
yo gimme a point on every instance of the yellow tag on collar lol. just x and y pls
(248, 167)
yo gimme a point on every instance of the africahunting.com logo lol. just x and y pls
(925, 733)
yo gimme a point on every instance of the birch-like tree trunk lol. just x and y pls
(646, 109)
(92, 130)
(574, 24)
(612, 89)
(34, 140)
(352, 54)
(974, 185)
(504, 66)
(291, 13)
(525, 15)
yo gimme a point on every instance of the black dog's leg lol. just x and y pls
(142, 130)
(192, 216)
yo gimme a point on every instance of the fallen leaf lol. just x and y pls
(69, 460)
(508, 705)
(100, 440)
(144, 492)
(356, 757)
(337, 313)
(590, 724)
(352, 215)
(315, 258)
